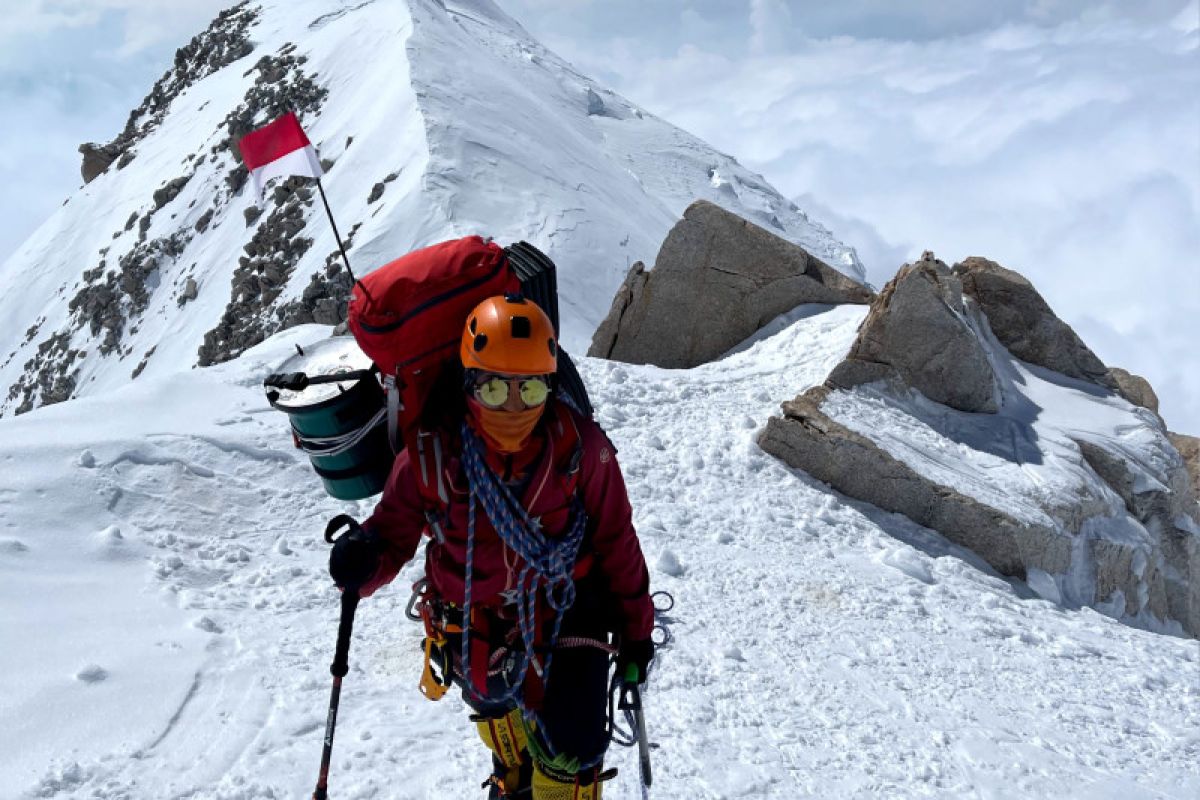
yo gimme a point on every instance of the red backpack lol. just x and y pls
(408, 316)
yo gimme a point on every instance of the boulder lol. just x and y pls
(1025, 324)
(918, 333)
(606, 335)
(717, 279)
(96, 159)
(1134, 388)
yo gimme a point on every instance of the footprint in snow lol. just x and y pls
(92, 673)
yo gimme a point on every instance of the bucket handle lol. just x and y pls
(299, 381)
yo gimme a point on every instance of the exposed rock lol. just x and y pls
(376, 192)
(808, 439)
(225, 41)
(717, 279)
(96, 159)
(49, 376)
(1024, 323)
(918, 333)
(1171, 558)
(252, 213)
(169, 191)
(1189, 448)
(204, 221)
(190, 291)
(606, 335)
(1155, 570)
(1134, 388)
(261, 275)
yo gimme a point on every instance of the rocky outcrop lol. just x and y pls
(606, 335)
(717, 279)
(1168, 565)
(1024, 323)
(918, 334)
(1155, 570)
(226, 40)
(96, 159)
(1189, 448)
(1134, 388)
(261, 276)
(807, 438)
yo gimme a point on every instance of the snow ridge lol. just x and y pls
(162, 262)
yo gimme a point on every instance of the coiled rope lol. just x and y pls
(548, 566)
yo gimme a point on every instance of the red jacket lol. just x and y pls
(399, 520)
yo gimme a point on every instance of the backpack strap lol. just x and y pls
(428, 450)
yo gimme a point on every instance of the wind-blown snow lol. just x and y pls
(821, 647)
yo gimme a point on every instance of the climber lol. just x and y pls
(533, 560)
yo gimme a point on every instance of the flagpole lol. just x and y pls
(336, 235)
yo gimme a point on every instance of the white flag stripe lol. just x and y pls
(302, 161)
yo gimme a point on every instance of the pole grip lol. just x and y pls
(341, 655)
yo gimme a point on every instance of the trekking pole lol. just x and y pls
(339, 668)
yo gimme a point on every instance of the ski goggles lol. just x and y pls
(494, 390)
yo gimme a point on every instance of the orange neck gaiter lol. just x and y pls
(504, 431)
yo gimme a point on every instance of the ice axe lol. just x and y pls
(631, 703)
(339, 668)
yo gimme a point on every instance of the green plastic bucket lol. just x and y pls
(340, 423)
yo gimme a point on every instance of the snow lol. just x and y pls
(500, 144)
(168, 620)
(820, 647)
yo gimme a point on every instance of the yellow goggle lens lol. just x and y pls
(534, 392)
(494, 391)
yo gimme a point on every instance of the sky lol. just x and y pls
(1060, 138)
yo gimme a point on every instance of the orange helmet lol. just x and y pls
(509, 335)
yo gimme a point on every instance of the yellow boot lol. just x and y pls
(505, 737)
(549, 787)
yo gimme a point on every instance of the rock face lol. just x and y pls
(918, 333)
(1173, 578)
(1189, 448)
(1156, 571)
(1024, 323)
(1134, 388)
(809, 439)
(717, 279)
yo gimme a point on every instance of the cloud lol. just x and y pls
(1059, 138)
(770, 26)
(144, 24)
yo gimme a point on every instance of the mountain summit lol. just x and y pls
(434, 120)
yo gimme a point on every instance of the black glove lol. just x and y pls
(637, 653)
(355, 554)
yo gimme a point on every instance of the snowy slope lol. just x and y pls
(822, 648)
(450, 110)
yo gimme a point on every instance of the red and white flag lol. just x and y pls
(279, 148)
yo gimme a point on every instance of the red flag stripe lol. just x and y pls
(272, 141)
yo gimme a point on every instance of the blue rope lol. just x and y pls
(548, 564)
